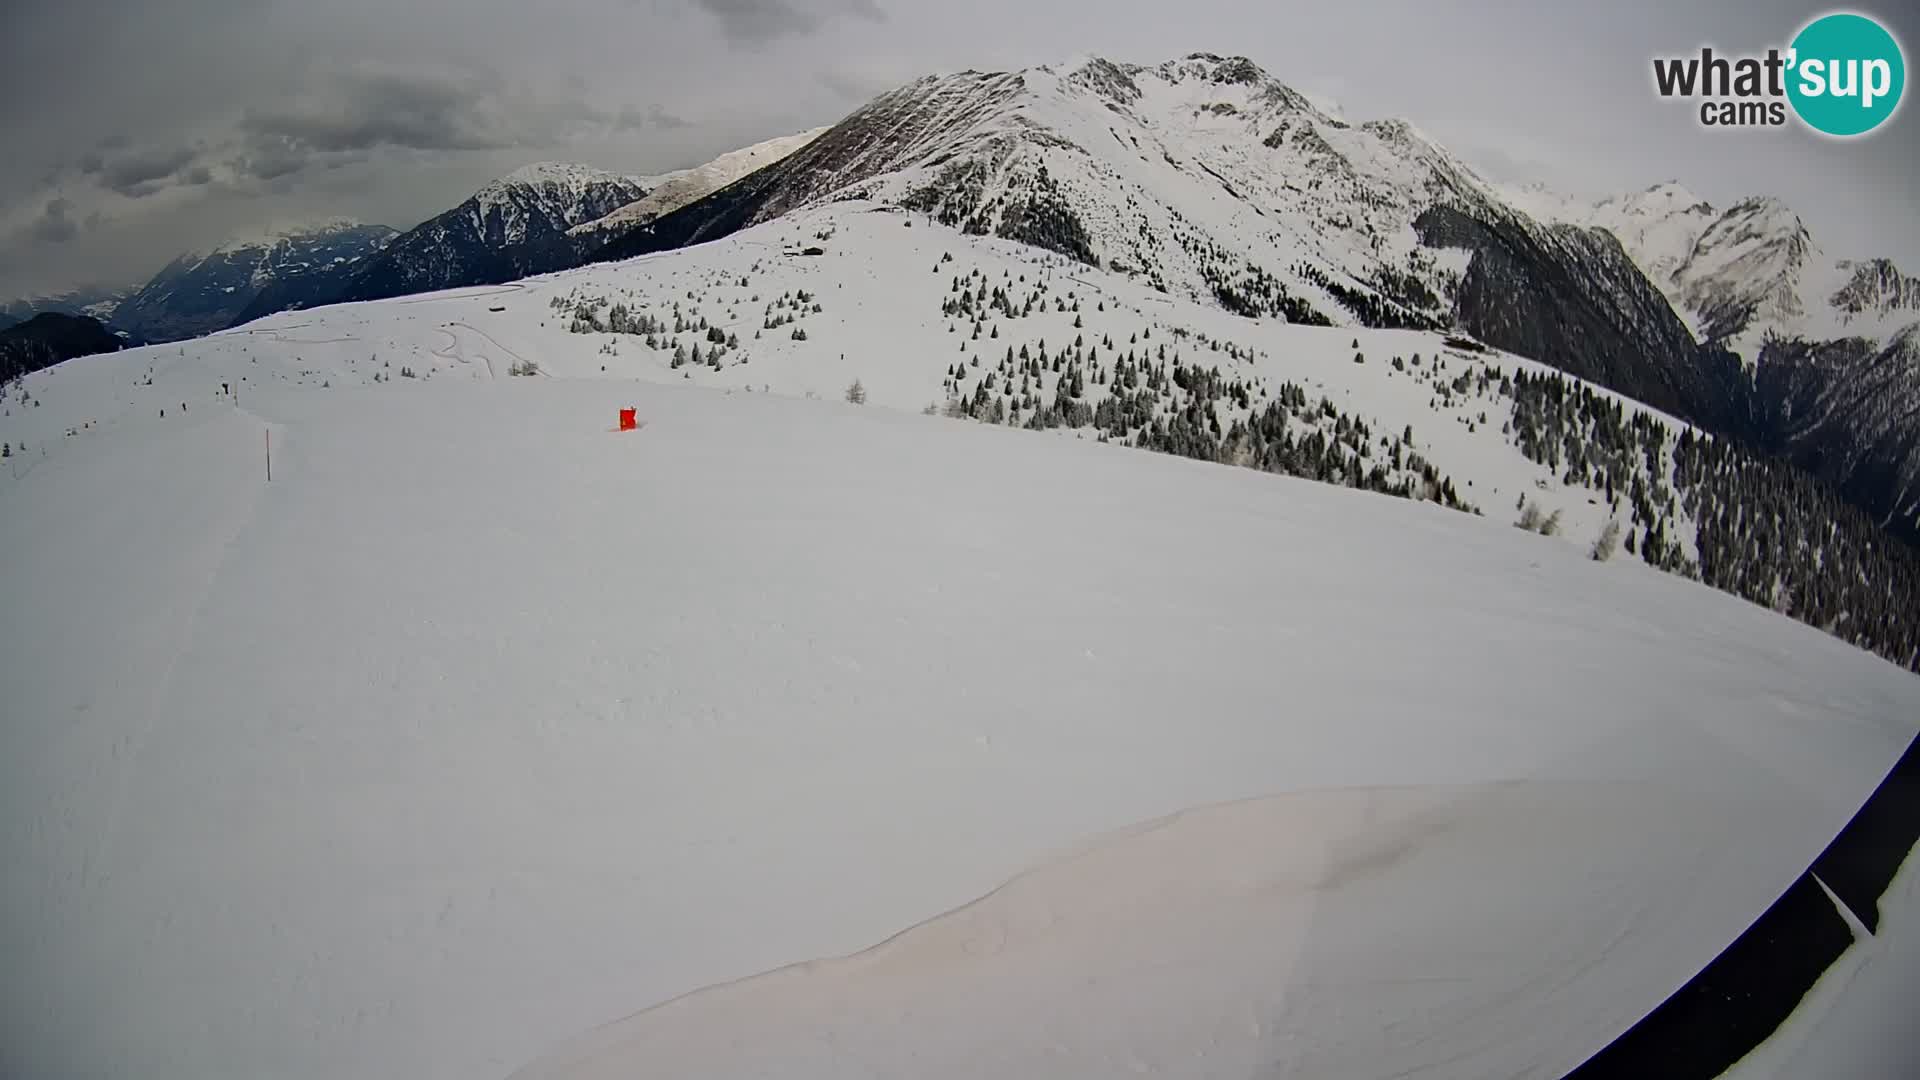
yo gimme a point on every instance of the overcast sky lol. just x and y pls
(136, 129)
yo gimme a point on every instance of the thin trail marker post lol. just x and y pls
(269, 434)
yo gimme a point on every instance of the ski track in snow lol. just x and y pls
(128, 758)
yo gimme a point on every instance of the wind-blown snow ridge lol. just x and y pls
(671, 191)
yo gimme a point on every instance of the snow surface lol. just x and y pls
(483, 726)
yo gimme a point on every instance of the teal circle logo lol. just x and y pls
(1846, 74)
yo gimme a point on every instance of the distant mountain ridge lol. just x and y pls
(1747, 272)
(50, 338)
(98, 301)
(514, 226)
(200, 292)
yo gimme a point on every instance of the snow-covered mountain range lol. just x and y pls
(203, 291)
(511, 227)
(1745, 273)
(97, 301)
(1208, 179)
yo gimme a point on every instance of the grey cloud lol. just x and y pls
(755, 22)
(269, 158)
(116, 142)
(198, 176)
(54, 226)
(347, 114)
(91, 163)
(144, 172)
(633, 118)
(663, 119)
(855, 87)
(363, 110)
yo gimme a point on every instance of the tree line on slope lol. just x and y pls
(1763, 530)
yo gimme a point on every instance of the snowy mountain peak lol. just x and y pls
(1212, 68)
(270, 235)
(1106, 78)
(1666, 197)
(564, 194)
(1876, 287)
(1745, 268)
(557, 181)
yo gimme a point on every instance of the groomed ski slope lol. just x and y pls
(482, 726)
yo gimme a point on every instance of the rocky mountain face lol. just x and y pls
(49, 338)
(513, 227)
(1848, 411)
(201, 292)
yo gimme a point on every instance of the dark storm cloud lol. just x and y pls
(54, 226)
(143, 172)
